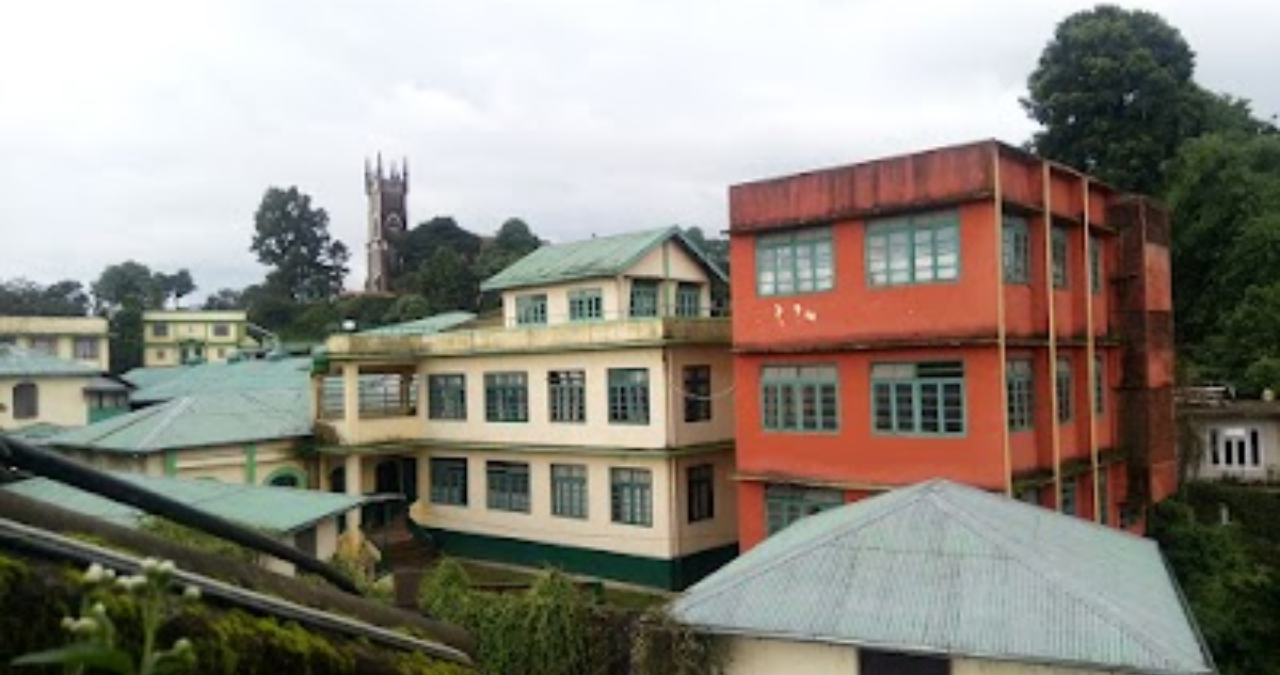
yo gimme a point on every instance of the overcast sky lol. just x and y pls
(149, 130)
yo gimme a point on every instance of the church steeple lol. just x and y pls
(388, 216)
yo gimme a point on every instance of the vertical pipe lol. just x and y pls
(1090, 354)
(1050, 292)
(1001, 328)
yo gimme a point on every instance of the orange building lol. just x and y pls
(972, 313)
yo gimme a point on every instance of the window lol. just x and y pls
(45, 344)
(1021, 394)
(1017, 251)
(1095, 264)
(569, 490)
(531, 310)
(586, 304)
(160, 330)
(86, 348)
(918, 398)
(631, 496)
(800, 262)
(567, 395)
(1030, 495)
(1099, 383)
(1069, 506)
(917, 250)
(785, 504)
(1237, 448)
(1063, 389)
(873, 662)
(702, 495)
(1061, 277)
(449, 481)
(628, 396)
(506, 397)
(508, 486)
(688, 300)
(447, 397)
(800, 398)
(697, 393)
(26, 401)
(221, 330)
(644, 297)
(1103, 497)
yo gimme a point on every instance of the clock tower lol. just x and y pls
(388, 217)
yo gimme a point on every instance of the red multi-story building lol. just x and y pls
(974, 313)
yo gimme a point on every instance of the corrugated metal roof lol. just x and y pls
(20, 362)
(274, 509)
(944, 568)
(163, 384)
(428, 326)
(218, 418)
(589, 259)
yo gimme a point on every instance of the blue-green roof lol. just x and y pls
(213, 419)
(590, 259)
(944, 568)
(163, 384)
(274, 509)
(19, 362)
(428, 326)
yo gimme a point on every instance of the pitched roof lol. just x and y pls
(591, 258)
(275, 509)
(19, 362)
(218, 418)
(163, 384)
(428, 326)
(944, 568)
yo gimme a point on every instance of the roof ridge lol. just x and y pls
(180, 405)
(126, 421)
(1097, 603)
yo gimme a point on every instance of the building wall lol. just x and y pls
(1227, 432)
(66, 331)
(194, 327)
(241, 463)
(61, 401)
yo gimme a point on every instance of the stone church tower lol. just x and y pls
(388, 217)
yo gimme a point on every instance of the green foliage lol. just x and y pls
(445, 281)
(126, 285)
(292, 238)
(181, 534)
(126, 339)
(22, 297)
(665, 647)
(1114, 96)
(417, 245)
(513, 241)
(225, 298)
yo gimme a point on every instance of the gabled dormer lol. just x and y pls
(654, 273)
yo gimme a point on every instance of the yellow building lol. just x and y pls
(589, 426)
(75, 338)
(38, 391)
(177, 337)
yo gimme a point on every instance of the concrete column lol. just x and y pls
(424, 484)
(350, 397)
(353, 487)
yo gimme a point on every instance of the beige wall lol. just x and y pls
(1269, 449)
(165, 350)
(229, 464)
(759, 656)
(720, 426)
(60, 401)
(668, 537)
(558, 299)
(65, 330)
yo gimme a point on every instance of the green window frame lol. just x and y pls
(586, 304)
(1063, 390)
(1060, 239)
(785, 504)
(922, 249)
(1069, 504)
(628, 395)
(1020, 390)
(697, 393)
(1016, 250)
(631, 496)
(800, 398)
(688, 300)
(918, 399)
(507, 486)
(449, 481)
(1095, 264)
(531, 310)
(569, 490)
(795, 263)
(506, 397)
(447, 396)
(567, 396)
(1099, 384)
(644, 297)
(702, 492)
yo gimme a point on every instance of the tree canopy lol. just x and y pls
(23, 297)
(292, 237)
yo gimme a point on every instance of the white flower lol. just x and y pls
(166, 567)
(131, 583)
(68, 623)
(191, 593)
(98, 609)
(182, 645)
(84, 625)
(94, 574)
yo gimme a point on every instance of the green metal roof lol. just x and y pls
(218, 418)
(19, 362)
(428, 326)
(590, 258)
(944, 568)
(274, 509)
(163, 384)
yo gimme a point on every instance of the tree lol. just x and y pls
(127, 284)
(176, 286)
(23, 297)
(420, 243)
(513, 241)
(225, 298)
(293, 238)
(1114, 95)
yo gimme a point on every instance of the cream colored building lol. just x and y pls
(589, 426)
(38, 390)
(76, 338)
(177, 337)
